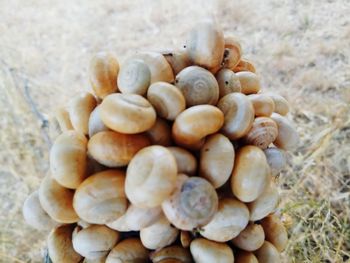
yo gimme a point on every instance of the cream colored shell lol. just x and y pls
(185, 160)
(129, 250)
(228, 82)
(288, 138)
(171, 252)
(251, 238)
(250, 82)
(96, 124)
(263, 104)
(205, 251)
(262, 133)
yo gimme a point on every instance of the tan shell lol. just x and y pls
(95, 241)
(60, 247)
(251, 238)
(166, 99)
(128, 251)
(198, 86)
(195, 123)
(158, 65)
(217, 159)
(250, 82)
(115, 149)
(281, 104)
(262, 133)
(80, 108)
(276, 158)
(57, 201)
(245, 257)
(134, 77)
(275, 232)
(83, 224)
(263, 104)
(63, 119)
(250, 174)
(268, 254)
(205, 44)
(35, 215)
(151, 176)
(186, 162)
(185, 238)
(178, 60)
(158, 235)
(288, 138)
(230, 219)
(96, 124)
(233, 53)
(98, 260)
(172, 252)
(205, 251)
(244, 65)
(138, 218)
(127, 113)
(192, 204)
(160, 133)
(120, 224)
(93, 166)
(101, 198)
(228, 82)
(239, 115)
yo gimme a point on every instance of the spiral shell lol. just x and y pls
(228, 82)
(204, 250)
(232, 54)
(250, 82)
(186, 162)
(281, 104)
(267, 253)
(251, 238)
(172, 252)
(263, 132)
(244, 65)
(245, 257)
(263, 104)
(160, 133)
(178, 60)
(288, 138)
(275, 232)
(276, 159)
(129, 250)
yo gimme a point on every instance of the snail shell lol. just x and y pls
(244, 65)
(158, 235)
(250, 173)
(127, 113)
(281, 104)
(232, 54)
(267, 253)
(251, 238)
(216, 159)
(230, 219)
(101, 198)
(263, 104)
(172, 252)
(134, 77)
(60, 247)
(114, 149)
(198, 86)
(193, 203)
(96, 125)
(186, 162)
(83, 224)
(120, 224)
(239, 115)
(138, 218)
(228, 82)
(276, 159)
(57, 201)
(129, 250)
(178, 60)
(185, 239)
(63, 119)
(166, 99)
(151, 176)
(275, 232)
(250, 82)
(288, 138)
(263, 132)
(245, 257)
(204, 251)
(160, 133)
(104, 68)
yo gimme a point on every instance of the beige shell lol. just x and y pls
(198, 86)
(101, 198)
(193, 203)
(127, 113)
(172, 252)
(186, 162)
(251, 238)
(263, 104)
(35, 215)
(262, 133)
(268, 254)
(166, 99)
(134, 77)
(185, 238)
(245, 257)
(276, 159)
(230, 219)
(288, 138)
(138, 218)
(115, 149)
(194, 124)
(98, 260)
(95, 241)
(232, 54)
(80, 108)
(129, 250)
(250, 174)
(178, 60)
(96, 124)
(151, 176)
(205, 251)
(250, 82)
(104, 68)
(83, 224)
(60, 247)
(216, 159)
(160, 133)
(228, 82)
(245, 65)
(120, 224)
(205, 44)
(275, 232)
(158, 235)
(63, 119)
(57, 201)
(281, 104)
(239, 115)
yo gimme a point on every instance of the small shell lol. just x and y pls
(129, 250)
(239, 115)
(186, 162)
(232, 54)
(138, 218)
(198, 86)
(134, 77)
(114, 149)
(160, 133)
(120, 224)
(63, 119)
(185, 239)
(228, 82)
(166, 99)
(250, 82)
(83, 224)
(244, 65)
(178, 60)
(251, 238)
(127, 113)
(276, 159)
(230, 219)
(96, 125)
(104, 68)
(204, 251)
(275, 232)
(288, 138)
(263, 104)
(268, 254)
(263, 132)
(281, 104)
(172, 252)
(245, 257)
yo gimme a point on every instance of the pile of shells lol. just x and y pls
(174, 158)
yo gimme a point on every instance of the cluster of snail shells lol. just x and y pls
(172, 159)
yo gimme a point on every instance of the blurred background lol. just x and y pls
(301, 50)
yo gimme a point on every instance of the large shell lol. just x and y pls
(276, 159)
(263, 104)
(250, 82)
(178, 60)
(172, 252)
(186, 162)
(275, 232)
(245, 65)
(96, 125)
(232, 54)
(263, 132)
(204, 251)
(288, 138)
(129, 250)
(251, 238)
(228, 82)
(268, 254)
(160, 133)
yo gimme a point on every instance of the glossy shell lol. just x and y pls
(251, 238)
(268, 254)
(204, 251)
(262, 133)
(276, 159)
(138, 218)
(232, 54)
(129, 250)
(178, 60)
(250, 82)
(281, 104)
(288, 138)
(228, 82)
(160, 133)
(172, 252)
(263, 104)
(244, 65)
(96, 124)
(186, 162)
(275, 231)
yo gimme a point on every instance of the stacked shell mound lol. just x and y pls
(173, 159)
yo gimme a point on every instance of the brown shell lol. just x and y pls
(268, 254)
(245, 65)
(245, 257)
(263, 132)
(160, 133)
(232, 54)
(275, 232)
(251, 238)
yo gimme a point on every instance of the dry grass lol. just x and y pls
(301, 50)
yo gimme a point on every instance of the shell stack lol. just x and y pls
(172, 158)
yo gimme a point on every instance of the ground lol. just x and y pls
(301, 50)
